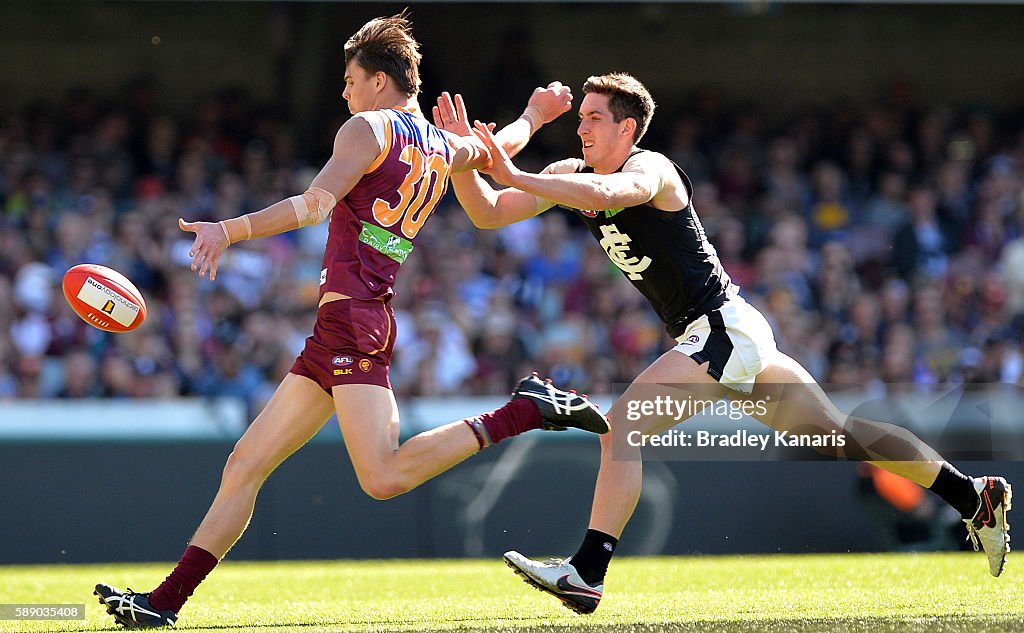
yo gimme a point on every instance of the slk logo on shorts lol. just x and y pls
(365, 365)
(341, 361)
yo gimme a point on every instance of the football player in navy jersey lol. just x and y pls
(638, 205)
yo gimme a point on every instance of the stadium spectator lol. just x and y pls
(685, 148)
(829, 211)
(921, 247)
(886, 210)
(783, 178)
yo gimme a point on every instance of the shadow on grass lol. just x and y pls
(954, 624)
(951, 624)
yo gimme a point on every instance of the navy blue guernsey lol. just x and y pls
(665, 254)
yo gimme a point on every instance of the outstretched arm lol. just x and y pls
(485, 206)
(545, 105)
(489, 208)
(355, 149)
(578, 190)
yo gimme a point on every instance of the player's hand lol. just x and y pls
(206, 250)
(551, 102)
(501, 170)
(450, 115)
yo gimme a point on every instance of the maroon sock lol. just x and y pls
(193, 567)
(518, 416)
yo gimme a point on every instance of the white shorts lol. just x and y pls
(736, 342)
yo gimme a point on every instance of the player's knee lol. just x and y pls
(382, 490)
(381, 486)
(241, 468)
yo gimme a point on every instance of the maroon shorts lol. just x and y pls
(351, 344)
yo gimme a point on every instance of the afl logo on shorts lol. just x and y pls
(693, 339)
(588, 213)
(341, 361)
(365, 365)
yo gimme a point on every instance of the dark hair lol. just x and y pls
(627, 98)
(386, 45)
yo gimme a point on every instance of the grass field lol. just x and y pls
(899, 592)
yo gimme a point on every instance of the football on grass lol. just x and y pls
(104, 298)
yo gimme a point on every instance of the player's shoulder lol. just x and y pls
(649, 161)
(377, 121)
(362, 122)
(565, 166)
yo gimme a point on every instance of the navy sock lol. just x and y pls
(957, 489)
(592, 558)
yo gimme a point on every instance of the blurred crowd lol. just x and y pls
(883, 242)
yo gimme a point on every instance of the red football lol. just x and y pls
(104, 298)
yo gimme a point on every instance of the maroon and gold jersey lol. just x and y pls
(373, 228)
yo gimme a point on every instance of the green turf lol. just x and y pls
(901, 592)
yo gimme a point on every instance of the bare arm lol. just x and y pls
(581, 191)
(470, 154)
(584, 191)
(355, 149)
(545, 105)
(485, 206)
(489, 208)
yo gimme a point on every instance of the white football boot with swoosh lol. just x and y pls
(560, 579)
(988, 526)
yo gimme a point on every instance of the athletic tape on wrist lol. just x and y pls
(533, 115)
(313, 206)
(236, 226)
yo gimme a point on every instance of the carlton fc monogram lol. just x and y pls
(617, 246)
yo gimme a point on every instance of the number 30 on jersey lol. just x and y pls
(426, 175)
